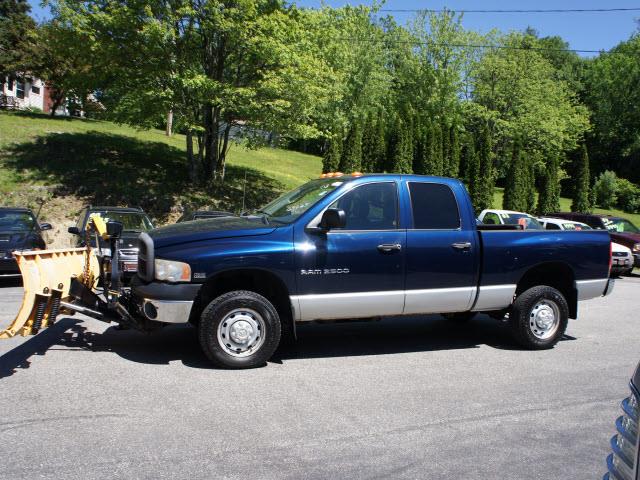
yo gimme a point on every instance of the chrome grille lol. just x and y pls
(619, 254)
(621, 463)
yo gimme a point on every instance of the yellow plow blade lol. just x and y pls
(46, 277)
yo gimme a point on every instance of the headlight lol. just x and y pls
(636, 247)
(169, 271)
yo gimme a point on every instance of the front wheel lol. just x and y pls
(539, 317)
(239, 329)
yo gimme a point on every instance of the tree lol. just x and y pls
(70, 72)
(436, 160)
(454, 153)
(402, 157)
(422, 149)
(217, 64)
(516, 188)
(582, 190)
(331, 158)
(549, 196)
(605, 189)
(351, 160)
(373, 144)
(17, 37)
(484, 180)
(525, 98)
(446, 150)
(612, 94)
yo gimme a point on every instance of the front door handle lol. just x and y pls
(461, 245)
(389, 247)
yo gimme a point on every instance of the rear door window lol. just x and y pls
(434, 206)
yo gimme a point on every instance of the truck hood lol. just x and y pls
(627, 239)
(12, 240)
(210, 228)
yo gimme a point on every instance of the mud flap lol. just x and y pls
(46, 277)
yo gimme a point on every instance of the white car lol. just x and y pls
(621, 259)
(509, 217)
(562, 224)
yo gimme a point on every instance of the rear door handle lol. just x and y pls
(389, 247)
(461, 245)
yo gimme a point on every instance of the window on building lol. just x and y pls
(372, 206)
(19, 89)
(35, 90)
(434, 207)
(10, 83)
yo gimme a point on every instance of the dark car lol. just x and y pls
(622, 231)
(19, 230)
(202, 214)
(134, 222)
(622, 463)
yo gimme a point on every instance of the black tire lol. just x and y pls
(459, 317)
(524, 316)
(262, 312)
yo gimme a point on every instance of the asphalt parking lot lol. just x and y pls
(400, 398)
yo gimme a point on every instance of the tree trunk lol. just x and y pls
(169, 130)
(222, 154)
(57, 100)
(190, 158)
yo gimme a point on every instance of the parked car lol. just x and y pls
(562, 224)
(134, 222)
(621, 259)
(202, 214)
(19, 230)
(622, 463)
(622, 231)
(509, 217)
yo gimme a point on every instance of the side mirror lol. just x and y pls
(45, 226)
(114, 229)
(73, 230)
(333, 218)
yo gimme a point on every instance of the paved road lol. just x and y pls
(411, 398)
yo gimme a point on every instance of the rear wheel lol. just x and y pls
(539, 317)
(239, 329)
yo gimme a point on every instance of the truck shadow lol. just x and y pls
(347, 339)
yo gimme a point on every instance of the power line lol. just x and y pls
(466, 45)
(553, 10)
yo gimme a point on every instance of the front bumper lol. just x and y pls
(164, 302)
(622, 462)
(9, 267)
(621, 264)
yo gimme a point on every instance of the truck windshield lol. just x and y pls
(16, 221)
(131, 221)
(291, 205)
(620, 225)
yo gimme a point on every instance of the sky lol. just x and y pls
(583, 31)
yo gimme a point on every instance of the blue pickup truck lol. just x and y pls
(362, 246)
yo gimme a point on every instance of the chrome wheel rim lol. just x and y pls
(241, 332)
(544, 319)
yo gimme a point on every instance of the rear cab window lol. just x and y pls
(433, 206)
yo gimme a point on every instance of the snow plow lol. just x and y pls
(66, 281)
